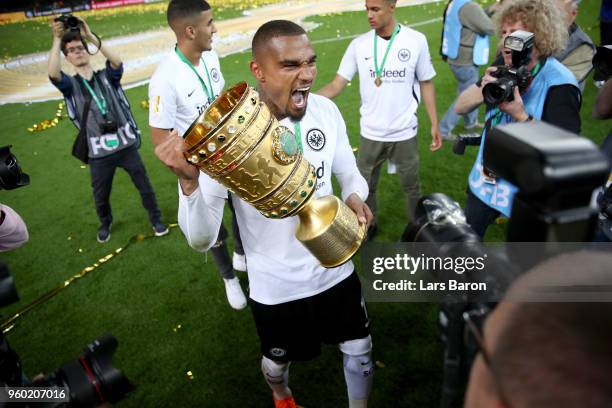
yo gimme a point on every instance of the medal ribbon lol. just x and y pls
(376, 67)
(297, 131)
(207, 89)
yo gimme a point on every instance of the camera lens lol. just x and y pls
(73, 23)
(497, 92)
(92, 379)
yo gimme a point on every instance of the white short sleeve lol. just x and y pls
(162, 102)
(424, 68)
(348, 65)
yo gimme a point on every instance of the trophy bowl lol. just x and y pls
(239, 143)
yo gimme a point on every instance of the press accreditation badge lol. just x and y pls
(488, 176)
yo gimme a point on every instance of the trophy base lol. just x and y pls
(329, 229)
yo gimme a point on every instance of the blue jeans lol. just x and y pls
(466, 76)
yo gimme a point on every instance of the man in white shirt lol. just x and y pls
(181, 88)
(296, 303)
(394, 68)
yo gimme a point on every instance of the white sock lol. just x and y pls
(358, 373)
(362, 403)
(277, 377)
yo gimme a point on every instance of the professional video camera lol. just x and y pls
(602, 63)
(88, 381)
(11, 176)
(556, 173)
(521, 44)
(70, 22)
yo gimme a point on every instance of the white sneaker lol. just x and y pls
(239, 262)
(391, 169)
(234, 293)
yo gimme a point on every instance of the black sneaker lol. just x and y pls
(160, 229)
(103, 233)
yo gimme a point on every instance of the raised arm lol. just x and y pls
(54, 63)
(334, 88)
(200, 212)
(472, 97)
(111, 55)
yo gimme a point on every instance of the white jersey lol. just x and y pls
(280, 268)
(388, 112)
(176, 96)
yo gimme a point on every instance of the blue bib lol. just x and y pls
(451, 36)
(499, 196)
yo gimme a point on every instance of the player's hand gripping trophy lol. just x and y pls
(239, 143)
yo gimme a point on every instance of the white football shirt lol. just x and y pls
(280, 268)
(176, 96)
(388, 112)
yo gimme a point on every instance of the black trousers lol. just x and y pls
(102, 173)
(478, 214)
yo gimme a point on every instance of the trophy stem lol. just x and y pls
(330, 230)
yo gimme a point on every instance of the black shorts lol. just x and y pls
(294, 331)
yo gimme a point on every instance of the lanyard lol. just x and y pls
(297, 131)
(207, 89)
(382, 66)
(100, 101)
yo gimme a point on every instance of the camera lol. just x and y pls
(602, 63)
(11, 176)
(466, 140)
(521, 44)
(108, 127)
(70, 22)
(555, 172)
(89, 380)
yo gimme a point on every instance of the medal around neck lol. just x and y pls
(239, 143)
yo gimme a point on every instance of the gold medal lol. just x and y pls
(379, 70)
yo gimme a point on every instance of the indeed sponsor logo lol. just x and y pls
(390, 73)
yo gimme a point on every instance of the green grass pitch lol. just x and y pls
(158, 284)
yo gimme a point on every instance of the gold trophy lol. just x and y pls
(238, 142)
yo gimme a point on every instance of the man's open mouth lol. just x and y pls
(300, 96)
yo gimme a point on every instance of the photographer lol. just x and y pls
(547, 354)
(550, 93)
(108, 136)
(578, 53)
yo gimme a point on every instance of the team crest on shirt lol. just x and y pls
(315, 139)
(403, 55)
(214, 73)
(278, 352)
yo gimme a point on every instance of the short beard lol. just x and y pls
(298, 117)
